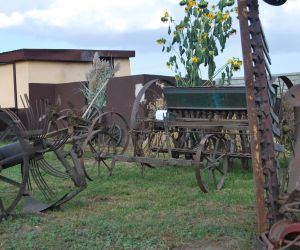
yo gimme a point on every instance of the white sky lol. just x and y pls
(131, 25)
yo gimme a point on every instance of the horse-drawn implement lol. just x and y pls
(43, 163)
(202, 127)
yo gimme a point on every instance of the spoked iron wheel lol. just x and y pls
(108, 136)
(148, 136)
(13, 179)
(211, 163)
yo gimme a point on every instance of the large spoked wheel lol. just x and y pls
(211, 163)
(107, 136)
(148, 137)
(13, 178)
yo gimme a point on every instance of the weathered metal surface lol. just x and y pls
(206, 98)
(259, 109)
(284, 234)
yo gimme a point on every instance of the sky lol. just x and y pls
(133, 25)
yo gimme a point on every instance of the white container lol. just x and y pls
(160, 114)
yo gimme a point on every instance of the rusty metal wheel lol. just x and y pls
(13, 179)
(211, 162)
(107, 136)
(147, 134)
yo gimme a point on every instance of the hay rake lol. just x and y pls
(48, 146)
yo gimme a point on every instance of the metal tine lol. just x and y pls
(51, 170)
(38, 116)
(35, 123)
(43, 118)
(33, 174)
(29, 186)
(46, 120)
(50, 192)
(57, 143)
(42, 182)
(16, 119)
(61, 141)
(26, 112)
(37, 181)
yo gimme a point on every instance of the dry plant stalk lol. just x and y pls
(97, 77)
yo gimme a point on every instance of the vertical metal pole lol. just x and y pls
(252, 116)
(15, 85)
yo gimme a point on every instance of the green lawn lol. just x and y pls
(164, 209)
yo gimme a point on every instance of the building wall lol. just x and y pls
(45, 72)
(6, 86)
(22, 73)
(57, 72)
(124, 65)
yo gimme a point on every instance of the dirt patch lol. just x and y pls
(27, 229)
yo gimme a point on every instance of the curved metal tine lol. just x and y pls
(44, 104)
(41, 117)
(15, 119)
(47, 188)
(5, 133)
(42, 182)
(62, 140)
(26, 113)
(29, 185)
(35, 122)
(51, 170)
(37, 112)
(39, 185)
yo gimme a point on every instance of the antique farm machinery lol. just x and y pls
(277, 211)
(48, 146)
(203, 127)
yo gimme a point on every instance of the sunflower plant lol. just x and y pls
(196, 41)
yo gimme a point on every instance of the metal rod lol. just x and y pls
(94, 99)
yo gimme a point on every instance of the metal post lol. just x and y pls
(15, 85)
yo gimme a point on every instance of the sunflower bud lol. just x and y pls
(203, 4)
(182, 3)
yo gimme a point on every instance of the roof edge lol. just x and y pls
(70, 55)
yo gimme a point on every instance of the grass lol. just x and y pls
(164, 209)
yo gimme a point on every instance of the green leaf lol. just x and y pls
(185, 43)
(211, 69)
(169, 30)
(223, 76)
